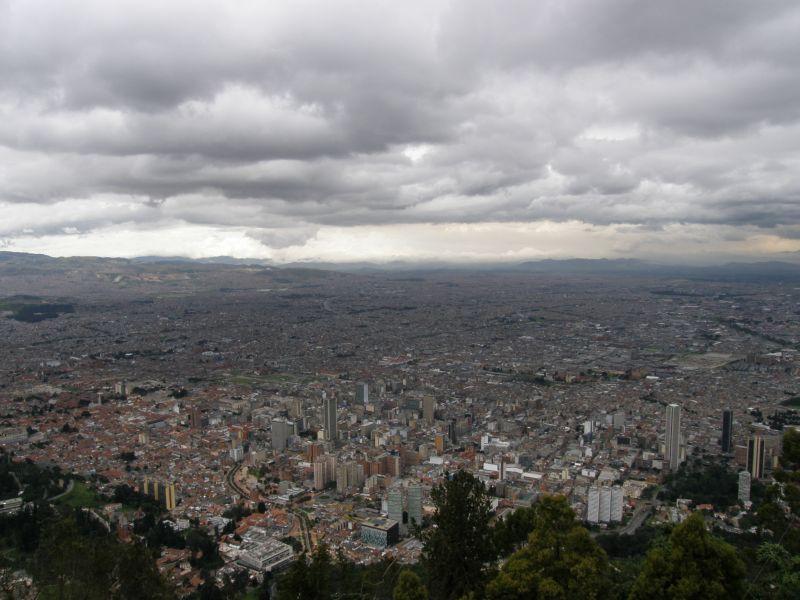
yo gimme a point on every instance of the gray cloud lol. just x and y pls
(283, 118)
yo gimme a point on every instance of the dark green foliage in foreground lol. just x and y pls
(560, 560)
(322, 577)
(513, 531)
(458, 547)
(409, 587)
(691, 564)
(73, 564)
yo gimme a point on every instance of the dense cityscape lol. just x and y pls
(278, 410)
(420, 300)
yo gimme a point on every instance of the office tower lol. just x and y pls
(755, 456)
(281, 431)
(438, 442)
(616, 503)
(619, 420)
(362, 393)
(329, 418)
(428, 408)
(744, 486)
(415, 504)
(605, 505)
(451, 432)
(727, 431)
(160, 491)
(593, 506)
(319, 474)
(673, 437)
(395, 505)
(341, 478)
(296, 408)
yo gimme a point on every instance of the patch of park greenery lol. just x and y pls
(32, 309)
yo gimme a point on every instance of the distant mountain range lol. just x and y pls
(18, 263)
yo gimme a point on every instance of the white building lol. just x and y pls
(263, 553)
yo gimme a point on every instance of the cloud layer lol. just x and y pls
(276, 127)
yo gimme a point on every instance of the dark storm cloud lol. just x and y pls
(283, 117)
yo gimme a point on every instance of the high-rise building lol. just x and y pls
(727, 431)
(329, 418)
(194, 418)
(296, 408)
(160, 491)
(673, 437)
(362, 393)
(428, 409)
(619, 420)
(281, 431)
(755, 456)
(415, 504)
(320, 480)
(438, 443)
(395, 505)
(452, 434)
(593, 505)
(616, 503)
(744, 486)
(605, 505)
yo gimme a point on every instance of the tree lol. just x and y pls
(780, 575)
(409, 587)
(560, 560)
(458, 547)
(790, 456)
(691, 564)
(513, 531)
(308, 580)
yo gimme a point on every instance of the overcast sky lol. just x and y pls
(401, 130)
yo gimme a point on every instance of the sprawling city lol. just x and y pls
(279, 410)
(420, 300)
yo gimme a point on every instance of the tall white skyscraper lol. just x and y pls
(744, 486)
(673, 437)
(755, 456)
(593, 505)
(605, 505)
(616, 503)
(329, 418)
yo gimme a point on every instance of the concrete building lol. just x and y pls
(380, 533)
(329, 418)
(395, 506)
(262, 553)
(160, 491)
(593, 506)
(755, 456)
(362, 393)
(428, 409)
(672, 454)
(744, 486)
(727, 431)
(281, 430)
(415, 504)
(617, 500)
(605, 505)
